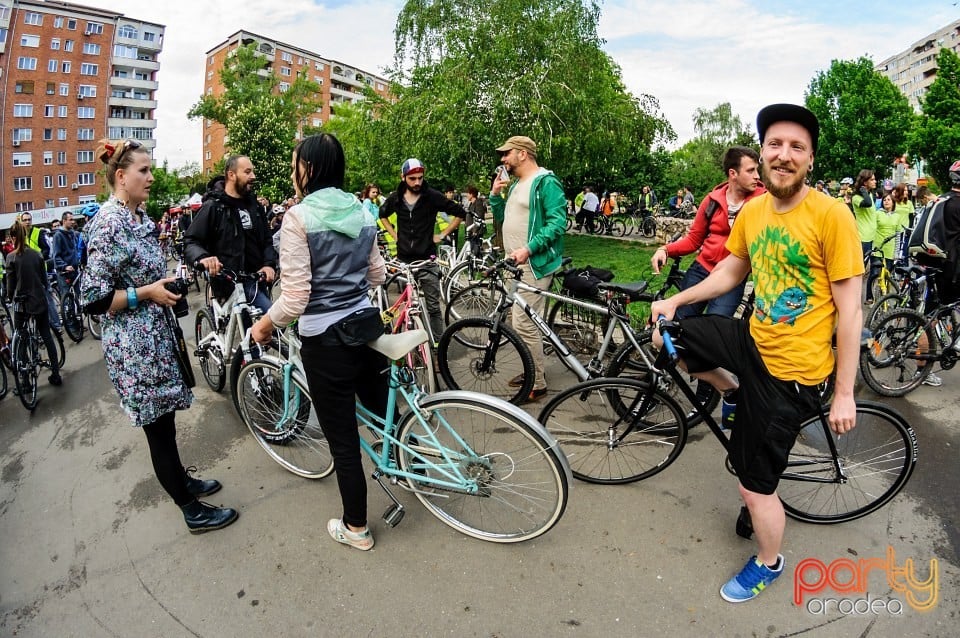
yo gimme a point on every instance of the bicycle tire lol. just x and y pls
(58, 344)
(461, 362)
(580, 328)
(522, 487)
(477, 300)
(882, 307)
(618, 228)
(587, 418)
(26, 370)
(71, 316)
(420, 361)
(877, 457)
(95, 327)
(457, 278)
(6, 332)
(297, 444)
(212, 366)
(3, 381)
(874, 286)
(895, 363)
(649, 227)
(627, 363)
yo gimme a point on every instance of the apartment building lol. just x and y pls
(913, 70)
(339, 82)
(69, 76)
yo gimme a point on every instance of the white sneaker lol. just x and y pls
(933, 381)
(342, 534)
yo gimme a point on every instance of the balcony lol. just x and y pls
(347, 79)
(129, 122)
(133, 63)
(132, 103)
(350, 95)
(131, 83)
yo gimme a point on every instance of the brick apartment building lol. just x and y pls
(339, 82)
(69, 76)
(913, 70)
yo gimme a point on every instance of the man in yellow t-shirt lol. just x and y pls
(803, 251)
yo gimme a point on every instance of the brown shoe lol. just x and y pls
(516, 382)
(537, 394)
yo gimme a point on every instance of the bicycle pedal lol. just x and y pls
(393, 515)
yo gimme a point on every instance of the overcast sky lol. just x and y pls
(688, 54)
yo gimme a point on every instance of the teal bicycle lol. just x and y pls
(479, 464)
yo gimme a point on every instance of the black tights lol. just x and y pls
(162, 439)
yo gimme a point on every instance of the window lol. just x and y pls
(52, 65)
(207, 155)
(86, 112)
(3, 32)
(22, 207)
(66, 66)
(49, 203)
(64, 201)
(47, 134)
(23, 110)
(210, 75)
(55, 44)
(62, 134)
(48, 181)
(299, 60)
(140, 95)
(62, 110)
(64, 89)
(24, 86)
(94, 28)
(23, 159)
(318, 80)
(118, 93)
(91, 48)
(47, 158)
(210, 61)
(284, 87)
(86, 199)
(58, 22)
(61, 181)
(48, 110)
(120, 73)
(149, 36)
(208, 138)
(22, 183)
(32, 41)
(61, 157)
(84, 157)
(27, 64)
(71, 25)
(31, 17)
(68, 46)
(87, 90)
(283, 71)
(22, 134)
(286, 57)
(127, 31)
(84, 134)
(380, 86)
(318, 66)
(89, 69)
(317, 122)
(118, 111)
(124, 51)
(85, 179)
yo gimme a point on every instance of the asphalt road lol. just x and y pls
(90, 546)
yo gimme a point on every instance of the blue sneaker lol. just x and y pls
(752, 579)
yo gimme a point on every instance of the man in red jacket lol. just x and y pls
(708, 233)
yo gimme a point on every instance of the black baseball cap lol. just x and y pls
(788, 113)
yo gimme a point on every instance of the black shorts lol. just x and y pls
(769, 411)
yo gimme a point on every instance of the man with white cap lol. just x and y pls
(416, 206)
(534, 215)
(802, 249)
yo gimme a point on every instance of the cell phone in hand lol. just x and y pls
(502, 173)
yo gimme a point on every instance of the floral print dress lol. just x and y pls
(137, 344)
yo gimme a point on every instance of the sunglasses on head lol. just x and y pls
(127, 145)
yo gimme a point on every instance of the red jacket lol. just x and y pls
(712, 244)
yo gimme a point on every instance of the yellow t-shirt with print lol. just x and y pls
(794, 256)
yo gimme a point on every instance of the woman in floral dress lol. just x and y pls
(124, 281)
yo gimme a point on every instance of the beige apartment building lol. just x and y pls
(69, 76)
(339, 82)
(913, 70)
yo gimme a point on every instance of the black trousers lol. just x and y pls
(338, 375)
(162, 439)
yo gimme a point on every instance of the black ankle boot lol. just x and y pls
(202, 517)
(199, 487)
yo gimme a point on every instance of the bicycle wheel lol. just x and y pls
(25, 370)
(489, 368)
(459, 277)
(212, 364)
(477, 300)
(617, 228)
(93, 324)
(648, 227)
(590, 424)
(3, 381)
(580, 328)
(896, 362)
(6, 331)
(283, 424)
(627, 362)
(58, 344)
(420, 361)
(880, 286)
(873, 463)
(518, 480)
(71, 316)
(881, 308)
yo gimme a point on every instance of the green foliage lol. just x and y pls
(864, 119)
(261, 121)
(355, 127)
(481, 71)
(936, 137)
(166, 191)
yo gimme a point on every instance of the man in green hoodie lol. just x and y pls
(534, 214)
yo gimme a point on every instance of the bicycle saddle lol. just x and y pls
(397, 345)
(632, 290)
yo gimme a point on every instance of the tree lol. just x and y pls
(483, 70)
(166, 191)
(936, 138)
(355, 127)
(261, 120)
(864, 119)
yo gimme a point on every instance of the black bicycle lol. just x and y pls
(26, 347)
(71, 313)
(624, 430)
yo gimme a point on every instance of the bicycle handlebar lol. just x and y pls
(663, 326)
(508, 264)
(231, 275)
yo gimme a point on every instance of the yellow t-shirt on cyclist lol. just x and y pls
(794, 256)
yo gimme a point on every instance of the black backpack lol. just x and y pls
(585, 282)
(929, 235)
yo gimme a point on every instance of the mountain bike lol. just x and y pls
(26, 346)
(482, 466)
(623, 430)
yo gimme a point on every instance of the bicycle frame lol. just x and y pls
(231, 310)
(407, 306)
